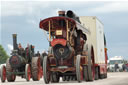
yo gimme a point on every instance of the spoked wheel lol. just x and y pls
(55, 77)
(3, 73)
(36, 68)
(10, 77)
(85, 72)
(41, 70)
(27, 72)
(46, 72)
(79, 69)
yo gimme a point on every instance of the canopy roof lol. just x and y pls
(44, 24)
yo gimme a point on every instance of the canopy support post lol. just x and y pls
(49, 31)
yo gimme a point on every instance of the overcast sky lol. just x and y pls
(23, 17)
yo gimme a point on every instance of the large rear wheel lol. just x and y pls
(36, 66)
(3, 73)
(10, 77)
(46, 72)
(79, 72)
(27, 72)
(91, 62)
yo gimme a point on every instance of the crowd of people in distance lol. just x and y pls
(124, 67)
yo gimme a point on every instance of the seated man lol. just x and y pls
(20, 49)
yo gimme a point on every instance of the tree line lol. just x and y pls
(3, 55)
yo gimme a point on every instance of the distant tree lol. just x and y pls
(3, 55)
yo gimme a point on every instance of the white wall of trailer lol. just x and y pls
(96, 37)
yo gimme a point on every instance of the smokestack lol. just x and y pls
(61, 13)
(14, 41)
(72, 15)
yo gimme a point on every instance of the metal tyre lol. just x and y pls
(96, 73)
(36, 68)
(55, 77)
(91, 72)
(3, 73)
(85, 73)
(46, 72)
(28, 72)
(79, 71)
(10, 77)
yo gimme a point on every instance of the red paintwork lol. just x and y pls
(4, 73)
(41, 72)
(44, 24)
(81, 71)
(93, 63)
(127, 65)
(52, 61)
(96, 64)
(103, 68)
(63, 70)
(106, 56)
(39, 69)
(58, 41)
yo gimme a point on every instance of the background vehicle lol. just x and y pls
(77, 48)
(22, 62)
(116, 59)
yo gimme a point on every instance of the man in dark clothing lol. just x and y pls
(124, 67)
(116, 67)
(38, 53)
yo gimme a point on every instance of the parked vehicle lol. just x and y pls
(22, 62)
(112, 61)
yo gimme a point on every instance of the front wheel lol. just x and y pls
(3, 73)
(79, 72)
(9, 70)
(36, 68)
(27, 72)
(46, 72)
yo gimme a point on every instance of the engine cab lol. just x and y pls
(65, 39)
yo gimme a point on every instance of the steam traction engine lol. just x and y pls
(71, 54)
(22, 62)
